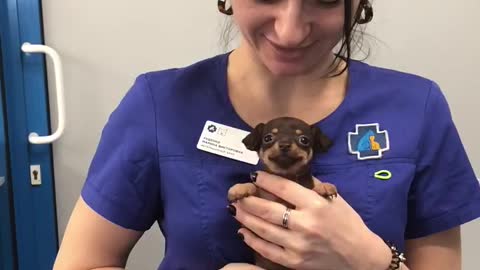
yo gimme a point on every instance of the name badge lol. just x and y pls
(226, 141)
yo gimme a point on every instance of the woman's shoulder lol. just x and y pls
(395, 83)
(166, 92)
(185, 78)
(385, 74)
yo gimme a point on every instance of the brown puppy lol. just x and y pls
(285, 147)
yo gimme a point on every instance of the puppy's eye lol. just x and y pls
(268, 138)
(304, 140)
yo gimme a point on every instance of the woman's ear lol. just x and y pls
(321, 143)
(253, 141)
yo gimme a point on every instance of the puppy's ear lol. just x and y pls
(253, 141)
(321, 143)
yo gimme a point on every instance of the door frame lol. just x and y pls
(8, 256)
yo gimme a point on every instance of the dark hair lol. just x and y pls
(349, 36)
(352, 36)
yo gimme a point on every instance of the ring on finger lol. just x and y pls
(286, 216)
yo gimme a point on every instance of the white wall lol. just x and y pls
(105, 44)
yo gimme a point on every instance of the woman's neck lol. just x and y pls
(256, 93)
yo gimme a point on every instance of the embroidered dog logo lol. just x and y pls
(368, 142)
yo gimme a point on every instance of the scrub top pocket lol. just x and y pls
(197, 198)
(377, 190)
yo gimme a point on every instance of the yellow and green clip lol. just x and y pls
(383, 175)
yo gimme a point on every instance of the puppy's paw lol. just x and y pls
(326, 190)
(240, 191)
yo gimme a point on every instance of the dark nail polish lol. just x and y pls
(232, 209)
(253, 176)
(241, 236)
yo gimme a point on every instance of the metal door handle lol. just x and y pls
(33, 137)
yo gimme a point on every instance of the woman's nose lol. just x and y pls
(291, 26)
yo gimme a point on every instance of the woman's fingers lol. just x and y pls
(263, 228)
(271, 212)
(268, 250)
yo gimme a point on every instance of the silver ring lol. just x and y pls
(286, 215)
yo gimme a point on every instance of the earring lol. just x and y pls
(367, 10)
(221, 8)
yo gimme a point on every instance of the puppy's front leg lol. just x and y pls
(240, 191)
(326, 190)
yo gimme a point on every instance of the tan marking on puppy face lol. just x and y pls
(275, 130)
(298, 131)
(295, 151)
(261, 154)
(298, 165)
(268, 163)
(310, 154)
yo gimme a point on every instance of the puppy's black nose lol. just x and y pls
(284, 146)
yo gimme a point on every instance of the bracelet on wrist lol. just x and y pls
(397, 257)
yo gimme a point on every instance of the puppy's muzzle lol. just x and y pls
(284, 146)
(284, 154)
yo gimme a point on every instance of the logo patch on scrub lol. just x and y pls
(368, 142)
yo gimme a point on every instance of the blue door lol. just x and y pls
(28, 227)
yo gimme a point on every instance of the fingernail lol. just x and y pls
(253, 176)
(241, 236)
(232, 210)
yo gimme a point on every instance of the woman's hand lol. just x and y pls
(241, 266)
(321, 234)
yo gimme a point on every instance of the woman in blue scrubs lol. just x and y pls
(405, 182)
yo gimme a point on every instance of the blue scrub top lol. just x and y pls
(148, 169)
